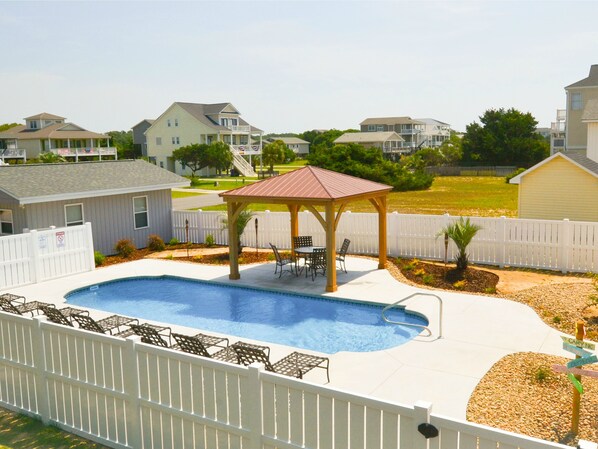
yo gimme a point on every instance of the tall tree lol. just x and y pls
(6, 126)
(504, 138)
(194, 156)
(219, 156)
(123, 141)
(273, 153)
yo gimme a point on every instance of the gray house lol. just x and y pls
(121, 199)
(139, 140)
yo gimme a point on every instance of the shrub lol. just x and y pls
(515, 173)
(542, 374)
(197, 258)
(460, 285)
(557, 320)
(99, 258)
(427, 278)
(210, 240)
(174, 241)
(490, 290)
(124, 248)
(155, 242)
(419, 272)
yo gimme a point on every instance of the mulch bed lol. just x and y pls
(448, 277)
(246, 257)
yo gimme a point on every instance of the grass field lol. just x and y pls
(179, 194)
(458, 195)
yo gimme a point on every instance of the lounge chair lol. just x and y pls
(317, 262)
(340, 257)
(195, 345)
(280, 262)
(56, 316)
(296, 364)
(18, 306)
(106, 325)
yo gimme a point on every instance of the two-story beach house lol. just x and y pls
(298, 146)
(416, 133)
(45, 132)
(388, 141)
(188, 123)
(578, 96)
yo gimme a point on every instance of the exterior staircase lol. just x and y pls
(241, 164)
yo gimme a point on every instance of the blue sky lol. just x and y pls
(292, 66)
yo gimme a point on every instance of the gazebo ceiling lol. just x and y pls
(308, 183)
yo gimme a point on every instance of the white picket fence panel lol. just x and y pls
(37, 256)
(126, 394)
(544, 244)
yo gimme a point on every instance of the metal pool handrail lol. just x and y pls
(394, 304)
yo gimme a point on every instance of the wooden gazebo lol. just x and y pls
(309, 187)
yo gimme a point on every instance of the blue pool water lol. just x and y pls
(324, 325)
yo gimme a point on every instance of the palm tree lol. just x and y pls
(242, 221)
(461, 232)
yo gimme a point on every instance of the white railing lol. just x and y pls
(239, 128)
(546, 244)
(126, 394)
(38, 256)
(247, 149)
(13, 153)
(86, 151)
(241, 164)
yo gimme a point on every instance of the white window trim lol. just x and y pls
(12, 222)
(66, 223)
(144, 212)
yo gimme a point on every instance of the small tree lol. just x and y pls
(219, 156)
(194, 156)
(242, 221)
(461, 232)
(273, 153)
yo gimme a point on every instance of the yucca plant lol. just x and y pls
(461, 232)
(242, 221)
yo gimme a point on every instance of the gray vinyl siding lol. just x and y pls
(139, 136)
(111, 218)
(19, 220)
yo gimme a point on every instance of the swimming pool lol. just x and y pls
(319, 324)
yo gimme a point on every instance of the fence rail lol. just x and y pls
(544, 244)
(126, 394)
(37, 256)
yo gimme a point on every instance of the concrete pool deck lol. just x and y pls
(477, 330)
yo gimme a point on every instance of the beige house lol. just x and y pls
(189, 123)
(50, 133)
(388, 141)
(578, 96)
(565, 185)
(299, 146)
(416, 133)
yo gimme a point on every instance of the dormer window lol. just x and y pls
(224, 121)
(233, 121)
(33, 124)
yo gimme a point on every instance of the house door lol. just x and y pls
(170, 164)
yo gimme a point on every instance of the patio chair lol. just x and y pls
(296, 364)
(280, 262)
(18, 306)
(194, 345)
(106, 325)
(340, 257)
(317, 261)
(301, 241)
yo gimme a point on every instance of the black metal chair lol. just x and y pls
(317, 262)
(301, 241)
(280, 262)
(342, 254)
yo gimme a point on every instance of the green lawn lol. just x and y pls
(221, 183)
(458, 195)
(22, 432)
(179, 194)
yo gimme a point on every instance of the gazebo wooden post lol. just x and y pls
(233, 240)
(294, 211)
(382, 232)
(330, 248)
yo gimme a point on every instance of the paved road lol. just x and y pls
(210, 198)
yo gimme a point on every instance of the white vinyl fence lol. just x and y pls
(126, 394)
(37, 256)
(546, 244)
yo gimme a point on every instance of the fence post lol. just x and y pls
(131, 387)
(502, 241)
(35, 265)
(89, 244)
(394, 226)
(564, 244)
(255, 402)
(39, 363)
(424, 429)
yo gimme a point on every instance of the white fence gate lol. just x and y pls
(546, 244)
(38, 256)
(127, 394)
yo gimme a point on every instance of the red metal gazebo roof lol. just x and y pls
(309, 183)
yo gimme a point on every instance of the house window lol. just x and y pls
(158, 140)
(161, 164)
(380, 128)
(73, 214)
(6, 224)
(176, 141)
(233, 121)
(224, 121)
(140, 212)
(168, 122)
(176, 122)
(33, 124)
(371, 127)
(576, 102)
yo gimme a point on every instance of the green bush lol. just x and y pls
(99, 258)
(515, 173)
(124, 248)
(174, 241)
(210, 240)
(155, 242)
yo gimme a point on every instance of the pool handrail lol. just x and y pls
(394, 304)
